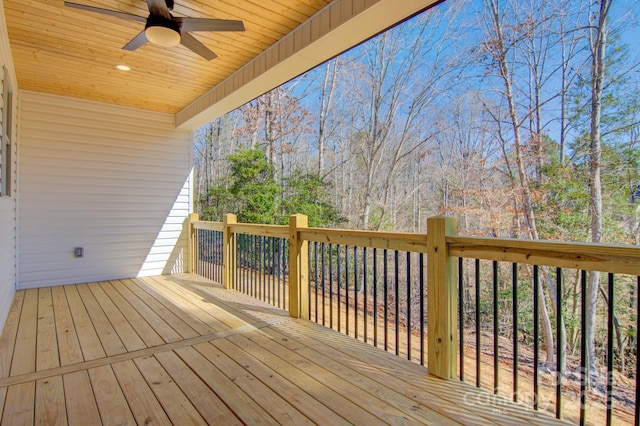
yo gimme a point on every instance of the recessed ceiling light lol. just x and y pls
(123, 67)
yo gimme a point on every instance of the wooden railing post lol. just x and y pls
(298, 268)
(228, 252)
(441, 299)
(193, 244)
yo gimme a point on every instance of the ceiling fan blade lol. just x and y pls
(106, 12)
(136, 42)
(203, 24)
(190, 42)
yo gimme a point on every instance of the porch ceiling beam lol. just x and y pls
(336, 28)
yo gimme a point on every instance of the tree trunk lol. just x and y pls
(326, 97)
(500, 56)
(598, 42)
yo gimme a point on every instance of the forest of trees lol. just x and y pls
(520, 118)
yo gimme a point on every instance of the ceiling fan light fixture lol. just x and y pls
(162, 32)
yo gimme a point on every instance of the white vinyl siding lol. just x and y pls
(110, 179)
(7, 203)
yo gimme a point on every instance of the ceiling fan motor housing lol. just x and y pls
(160, 21)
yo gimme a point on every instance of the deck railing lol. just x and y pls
(463, 306)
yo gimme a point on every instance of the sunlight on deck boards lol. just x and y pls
(178, 349)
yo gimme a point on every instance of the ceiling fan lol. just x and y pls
(165, 30)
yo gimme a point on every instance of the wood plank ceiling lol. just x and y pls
(71, 52)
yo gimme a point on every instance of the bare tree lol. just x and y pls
(597, 50)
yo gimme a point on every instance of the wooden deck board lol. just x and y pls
(111, 342)
(165, 322)
(293, 391)
(204, 399)
(175, 403)
(50, 405)
(47, 354)
(24, 353)
(316, 386)
(178, 307)
(68, 343)
(143, 403)
(315, 362)
(190, 302)
(19, 404)
(276, 405)
(82, 408)
(110, 399)
(124, 330)
(182, 350)
(9, 333)
(87, 336)
(3, 395)
(245, 408)
(133, 317)
(159, 325)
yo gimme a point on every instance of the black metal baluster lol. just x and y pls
(315, 255)
(202, 237)
(276, 271)
(375, 297)
(396, 260)
(421, 295)
(242, 248)
(201, 248)
(246, 249)
(460, 312)
(205, 264)
(364, 287)
(311, 274)
(514, 287)
(270, 271)
(637, 410)
(496, 331)
(355, 289)
(274, 267)
(256, 268)
(211, 249)
(249, 266)
(263, 270)
(408, 259)
(346, 286)
(198, 254)
(330, 286)
(583, 346)
(385, 266)
(211, 246)
(536, 343)
(238, 251)
(478, 340)
(610, 314)
(254, 259)
(339, 285)
(559, 348)
(285, 271)
(285, 266)
(322, 267)
(259, 291)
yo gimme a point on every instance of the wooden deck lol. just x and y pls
(180, 350)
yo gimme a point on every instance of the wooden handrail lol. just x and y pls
(375, 239)
(615, 258)
(207, 226)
